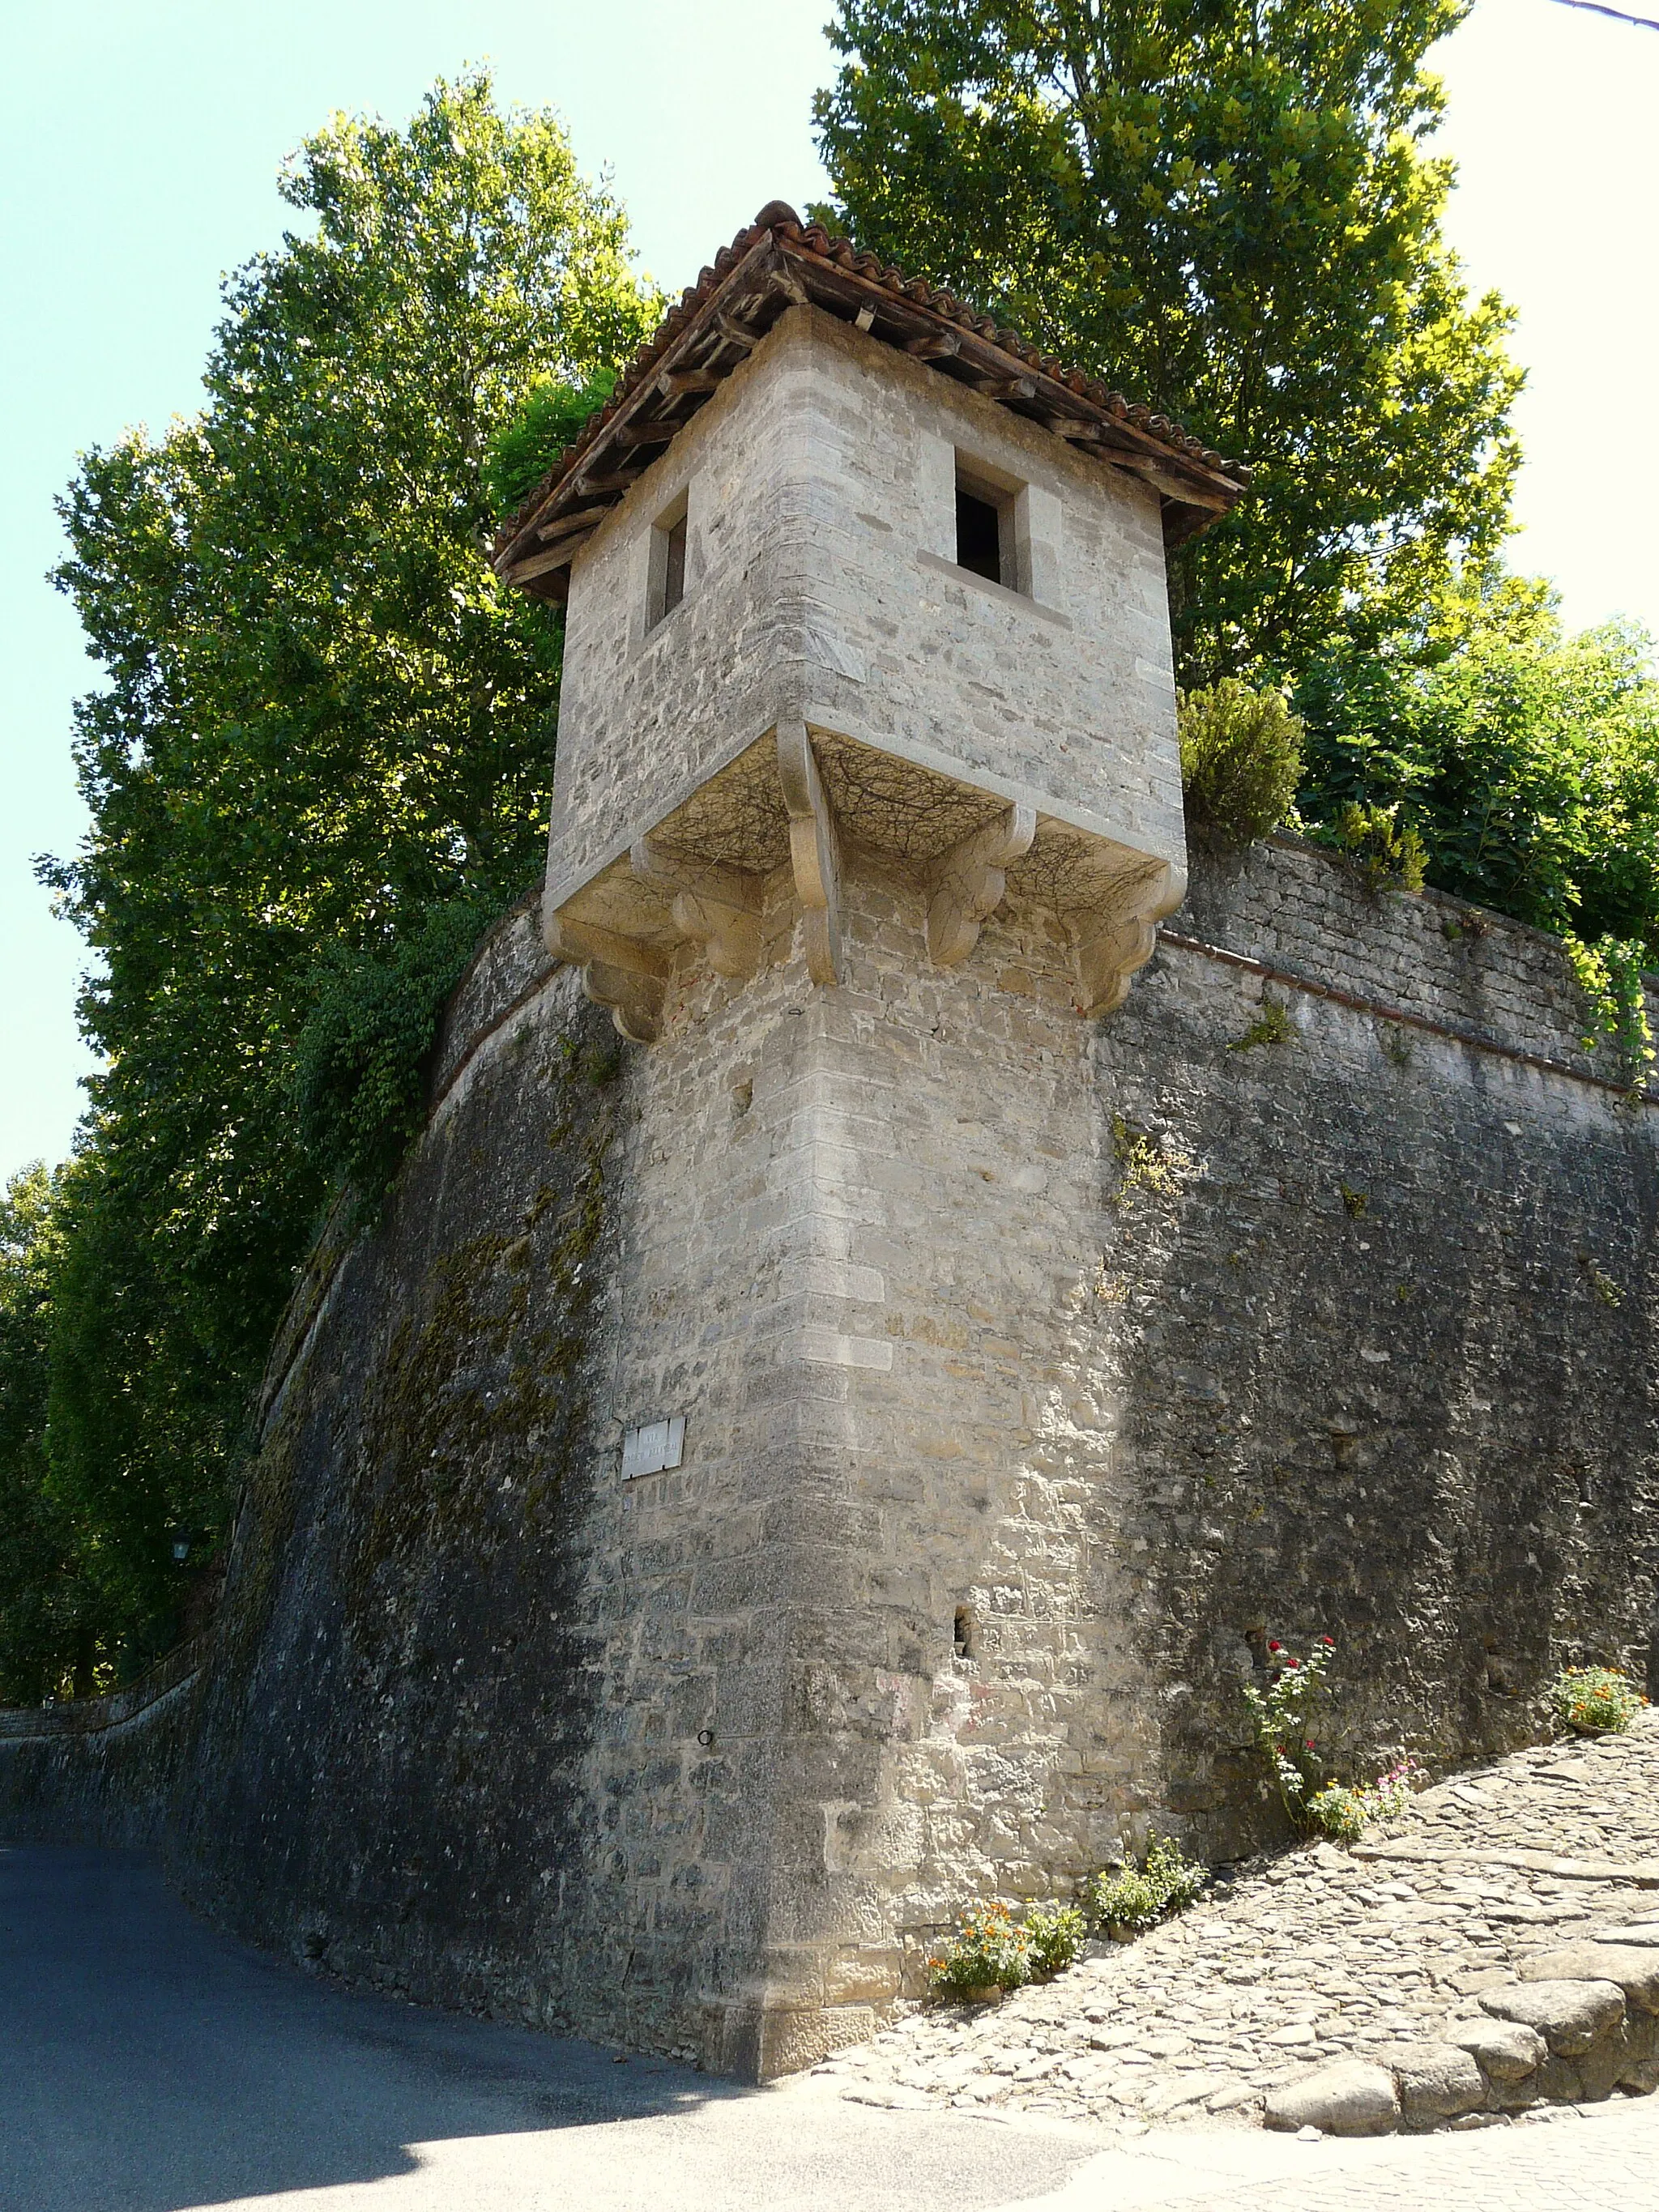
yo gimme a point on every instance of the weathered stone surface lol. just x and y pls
(1604, 2065)
(1641, 2067)
(1353, 2098)
(1506, 2051)
(1559, 2081)
(1436, 2080)
(970, 1309)
(1569, 2015)
(1634, 1970)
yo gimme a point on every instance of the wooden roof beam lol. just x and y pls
(580, 517)
(543, 564)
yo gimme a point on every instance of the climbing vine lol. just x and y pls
(1609, 974)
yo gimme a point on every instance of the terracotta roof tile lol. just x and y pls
(776, 261)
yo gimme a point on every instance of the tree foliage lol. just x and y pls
(322, 723)
(1527, 759)
(43, 1610)
(1502, 760)
(359, 1061)
(547, 419)
(1225, 207)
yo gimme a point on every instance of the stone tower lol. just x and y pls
(867, 790)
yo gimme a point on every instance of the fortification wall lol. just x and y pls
(1129, 1343)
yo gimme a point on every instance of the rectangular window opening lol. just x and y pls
(988, 532)
(667, 565)
(673, 581)
(979, 535)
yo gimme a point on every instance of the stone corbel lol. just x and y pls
(719, 907)
(630, 979)
(814, 851)
(966, 882)
(1112, 940)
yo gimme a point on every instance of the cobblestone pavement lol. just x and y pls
(1322, 1954)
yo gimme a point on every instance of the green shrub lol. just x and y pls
(1609, 974)
(1138, 1897)
(988, 1951)
(1339, 1811)
(1527, 759)
(1597, 1699)
(546, 421)
(1390, 851)
(1283, 1712)
(1241, 761)
(1346, 1810)
(1273, 1025)
(1056, 1934)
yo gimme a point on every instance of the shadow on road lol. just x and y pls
(150, 2064)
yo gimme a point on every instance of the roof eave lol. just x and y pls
(779, 263)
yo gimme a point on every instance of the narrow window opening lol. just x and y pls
(667, 578)
(673, 577)
(979, 535)
(963, 1634)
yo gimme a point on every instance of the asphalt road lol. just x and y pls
(148, 2065)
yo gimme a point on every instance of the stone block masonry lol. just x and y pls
(1033, 1372)
(1495, 1954)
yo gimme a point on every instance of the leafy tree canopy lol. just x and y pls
(323, 725)
(1225, 207)
(43, 1649)
(1528, 759)
(546, 420)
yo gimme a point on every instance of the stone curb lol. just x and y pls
(1588, 2038)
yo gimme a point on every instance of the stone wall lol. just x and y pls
(103, 1769)
(1103, 1350)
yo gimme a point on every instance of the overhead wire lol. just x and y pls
(1619, 15)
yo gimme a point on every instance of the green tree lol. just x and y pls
(1225, 207)
(43, 1598)
(1527, 759)
(1523, 763)
(323, 722)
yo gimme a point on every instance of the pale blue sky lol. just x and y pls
(143, 138)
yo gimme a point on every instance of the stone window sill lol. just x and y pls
(999, 592)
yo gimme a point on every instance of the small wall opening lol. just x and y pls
(979, 535)
(986, 533)
(963, 1633)
(667, 587)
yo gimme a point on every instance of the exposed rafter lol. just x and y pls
(778, 263)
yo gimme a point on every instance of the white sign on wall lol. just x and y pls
(650, 1449)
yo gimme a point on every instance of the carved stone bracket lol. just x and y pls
(700, 876)
(629, 978)
(814, 851)
(966, 882)
(720, 908)
(1114, 939)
